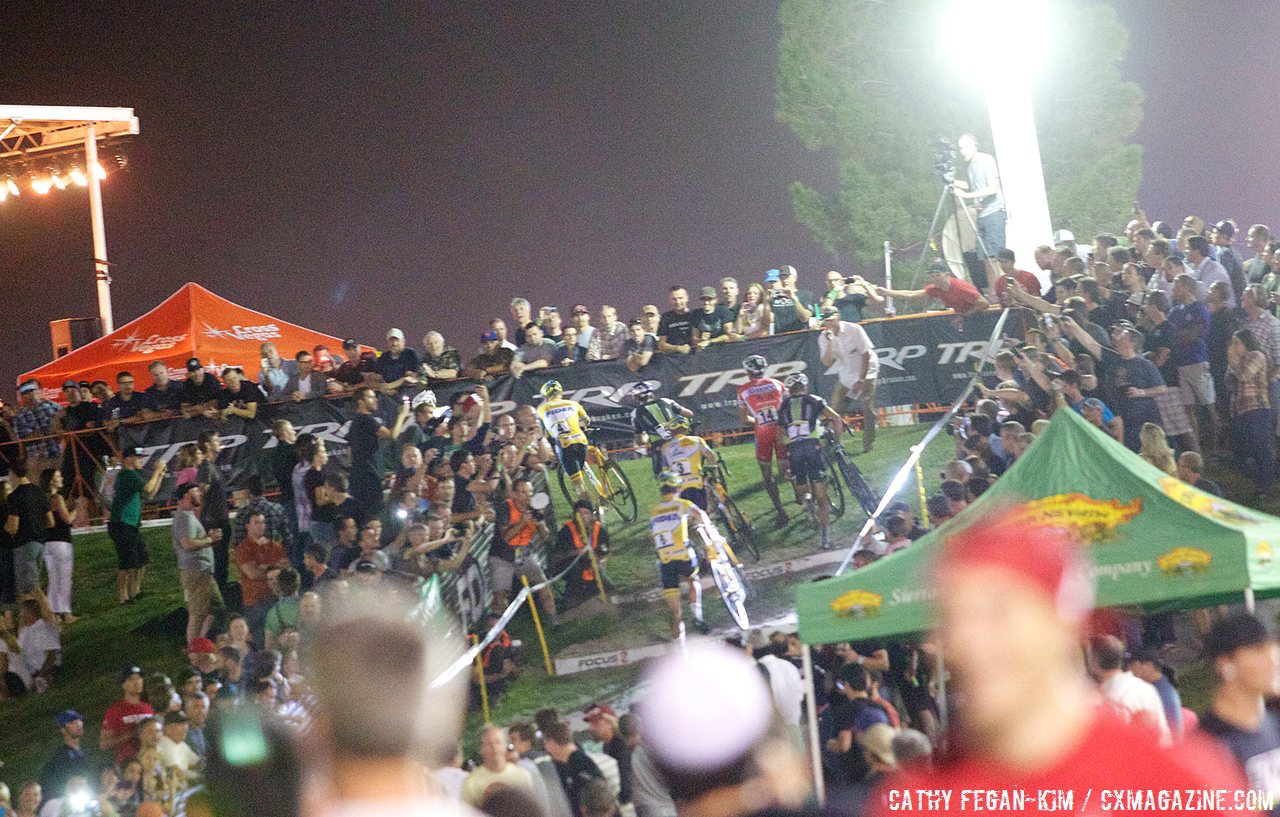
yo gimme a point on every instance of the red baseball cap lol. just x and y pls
(202, 645)
(1045, 557)
(596, 711)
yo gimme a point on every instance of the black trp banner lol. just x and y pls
(922, 360)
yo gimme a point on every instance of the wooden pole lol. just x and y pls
(811, 711)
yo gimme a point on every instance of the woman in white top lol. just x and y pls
(754, 318)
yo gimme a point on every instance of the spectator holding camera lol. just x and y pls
(792, 308)
(850, 296)
(509, 557)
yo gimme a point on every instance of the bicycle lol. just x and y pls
(726, 572)
(740, 533)
(607, 479)
(861, 490)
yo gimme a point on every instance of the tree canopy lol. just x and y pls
(866, 82)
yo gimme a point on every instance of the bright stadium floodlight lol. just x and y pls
(999, 45)
(32, 135)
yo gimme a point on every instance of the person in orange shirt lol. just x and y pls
(254, 556)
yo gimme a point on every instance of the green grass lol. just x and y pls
(109, 637)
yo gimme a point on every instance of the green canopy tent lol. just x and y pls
(1155, 542)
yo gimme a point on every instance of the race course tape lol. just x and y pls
(753, 574)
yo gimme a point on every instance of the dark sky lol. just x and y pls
(419, 165)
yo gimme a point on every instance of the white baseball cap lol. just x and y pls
(696, 732)
(395, 333)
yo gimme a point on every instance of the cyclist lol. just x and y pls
(686, 455)
(800, 416)
(758, 401)
(565, 423)
(651, 420)
(671, 524)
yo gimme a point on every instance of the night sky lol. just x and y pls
(418, 166)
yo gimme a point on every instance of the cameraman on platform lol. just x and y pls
(983, 189)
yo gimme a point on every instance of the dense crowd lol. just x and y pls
(1169, 343)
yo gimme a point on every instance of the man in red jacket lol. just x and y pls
(1012, 601)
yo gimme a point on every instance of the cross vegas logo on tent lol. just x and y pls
(133, 342)
(265, 332)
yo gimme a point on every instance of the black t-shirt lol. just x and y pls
(86, 414)
(844, 717)
(1139, 373)
(1163, 336)
(784, 310)
(463, 500)
(574, 775)
(283, 458)
(676, 327)
(712, 324)
(249, 393)
(349, 373)
(851, 307)
(363, 439)
(168, 398)
(214, 512)
(648, 344)
(117, 408)
(396, 368)
(1258, 752)
(31, 506)
(208, 390)
(312, 480)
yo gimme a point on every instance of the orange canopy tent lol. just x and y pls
(192, 322)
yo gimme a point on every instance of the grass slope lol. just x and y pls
(149, 634)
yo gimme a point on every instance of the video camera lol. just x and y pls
(944, 160)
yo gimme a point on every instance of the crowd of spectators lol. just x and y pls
(1170, 344)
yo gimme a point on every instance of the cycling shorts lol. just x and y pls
(672, 572)
(573, 458)
(698, 496)
(806, 461)
(770, 440)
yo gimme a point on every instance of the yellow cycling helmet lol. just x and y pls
(551, 387)
(669, 481)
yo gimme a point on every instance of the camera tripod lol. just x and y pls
(937, 236)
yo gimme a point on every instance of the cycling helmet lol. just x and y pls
(755, 365)
(679, 422)
(798, 380)
(643, 391)
(668, 481)
(551, 387)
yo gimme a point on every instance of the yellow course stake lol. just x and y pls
(595, 570)
(537, 624)
(484, 690)
(924, 501)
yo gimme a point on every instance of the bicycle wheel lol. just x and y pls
(739, 529)
(858, 486)
(733, 590)
(835, 492)
(618, 492)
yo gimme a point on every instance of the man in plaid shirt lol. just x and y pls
(1266, 328)
(35, 419)
(273, 512)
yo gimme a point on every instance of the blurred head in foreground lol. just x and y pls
(720, 748)
(378, 714)
(1012, 601)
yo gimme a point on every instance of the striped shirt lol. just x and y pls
(1266, 328)
(1249, 376)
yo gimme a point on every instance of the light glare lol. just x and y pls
(41, 186)
(77, 176)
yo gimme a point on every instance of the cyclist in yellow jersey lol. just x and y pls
(686, 455)
(671, 525)
(565, 421)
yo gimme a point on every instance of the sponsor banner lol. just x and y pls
(605, 660)
(922, 360)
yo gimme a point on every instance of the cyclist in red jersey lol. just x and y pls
(759, 400)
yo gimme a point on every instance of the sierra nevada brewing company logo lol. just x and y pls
(1093, 521)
